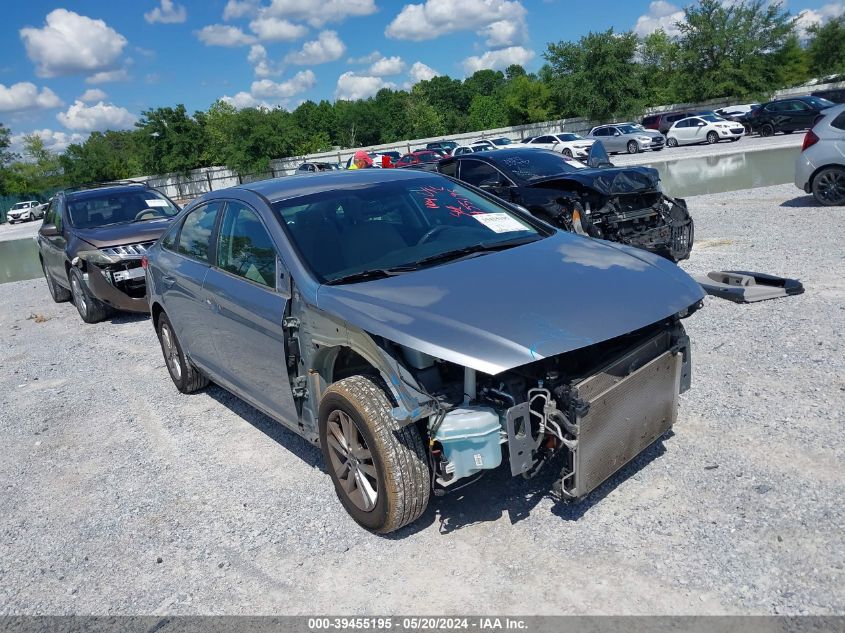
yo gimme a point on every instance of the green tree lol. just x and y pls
(425, 121)
(792, 63)
(486, 112)
(527, 100)
(5, 143)
(659, 59)
(450, 97)
(484, 82)
(826, 47)
(731, 49)
(38, 173)
(596, 77)
(104, 156)
(513, 71)
(171, 140)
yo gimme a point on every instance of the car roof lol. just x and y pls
(287, 187)
(105, 191)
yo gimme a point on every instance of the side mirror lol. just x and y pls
(617, 133)
(700, 124)
(49, 230)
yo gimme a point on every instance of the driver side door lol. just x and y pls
(248, 296)
(486, 177)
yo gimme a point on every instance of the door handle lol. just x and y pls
(168, 281)
(212, 305)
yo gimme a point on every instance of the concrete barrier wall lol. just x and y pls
(200, 181)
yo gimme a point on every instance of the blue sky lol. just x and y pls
(67, 68)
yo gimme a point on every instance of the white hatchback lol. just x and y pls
(706, 128)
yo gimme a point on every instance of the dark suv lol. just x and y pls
(787, 115)
(447, 146)
(91, 243)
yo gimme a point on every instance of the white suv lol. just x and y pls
(820, 167)
(24, 211)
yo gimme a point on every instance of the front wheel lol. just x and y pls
(712, 138)
(567, 152)
(90, 309)
(379, 466)
(633, 147)
(672, 141)
(829, 187)
(767, 130)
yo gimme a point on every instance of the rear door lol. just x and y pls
(803, 116)
(184, 263)
(52, 247)
(247, 308)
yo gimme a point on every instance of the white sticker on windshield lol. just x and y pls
(499, 222)
(157, 202)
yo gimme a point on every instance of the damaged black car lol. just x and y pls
(91, 245)
(619, 204)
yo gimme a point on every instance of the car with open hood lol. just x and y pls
(91, 243)
(620, 204)
(422, 332)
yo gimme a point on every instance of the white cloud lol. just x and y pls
(661, 15)
(93, 94)
(244, 100)
(811, 17)
(326, 48)
(267, 89)
(351, 86)
(387, 66)
(262, 64)
(498, 60)
(223, 35)
(26, 96)
(108, 76)
(167, 13)
(99, 117)
(276, 30)
(502, 22)
(420, 72)
(318, 13)
(53, 141)
(70, 43)
(237, 9)
(366, 59)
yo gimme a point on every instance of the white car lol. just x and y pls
(499, 142)
(25, 211)
(568, 144)
(820, 167)
(707, 128)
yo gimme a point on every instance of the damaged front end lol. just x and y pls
(114, 275)
(598, 407)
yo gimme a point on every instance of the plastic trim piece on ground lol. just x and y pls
(745, 287)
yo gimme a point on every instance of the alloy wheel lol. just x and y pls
(830, 187)
(171, 352)
(78, 293)
(352, 461)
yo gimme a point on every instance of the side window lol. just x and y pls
(475, 173)
(449, 168)
(195, 236)
(50, 213)
(244, 247)
(57, 216)
(839, 122)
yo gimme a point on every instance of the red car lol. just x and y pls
(420, 156)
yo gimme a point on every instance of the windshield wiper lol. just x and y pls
(373, 273)
(483, 247)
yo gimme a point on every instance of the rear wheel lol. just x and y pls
(633, 147)
(829, 187)
(59, 294)
(672, 141)
(712, 138)
(767, 130)
(378, 466)
(90, 309)
(184, 374)
(567, 152)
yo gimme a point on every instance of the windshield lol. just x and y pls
(501, 141)
(568, 138)
(22, 205)
(818, 102)
(533, 164)
(94, 209)
(395, 224)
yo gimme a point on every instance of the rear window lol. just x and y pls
(650, 120)
(839, 121)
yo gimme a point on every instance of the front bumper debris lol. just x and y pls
(103, 290)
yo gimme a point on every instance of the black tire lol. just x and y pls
(567, 152)
(712, 138)
(788, 131)
(633, 147)
(184, 374)
(91, 310)
(397, 461)
(672, 141)
(767, 130)
(59, 294)
(829, 187)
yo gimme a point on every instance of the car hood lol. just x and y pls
(607, 180)
(120, 234)
(505, 309)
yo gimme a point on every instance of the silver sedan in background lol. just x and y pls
(820, 167)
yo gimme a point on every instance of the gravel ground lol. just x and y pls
(121, 496)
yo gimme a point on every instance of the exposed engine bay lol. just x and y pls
(598, 407)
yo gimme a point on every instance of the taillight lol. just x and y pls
(810, 139)
(144, 262)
